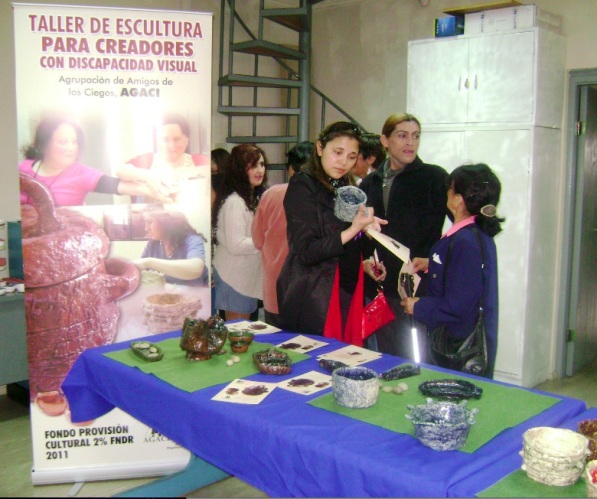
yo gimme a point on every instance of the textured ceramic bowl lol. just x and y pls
(240, 340)
(355, 387)
(348, 200)
(554, 456)
(272, 361)
(442, 425)
(203, 338)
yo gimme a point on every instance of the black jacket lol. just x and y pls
(416, 213)
(315, 250)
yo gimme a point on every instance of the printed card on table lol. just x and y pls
(301, 343)
(308, 383)
(351, 355)
(243, 391)
(256, 327)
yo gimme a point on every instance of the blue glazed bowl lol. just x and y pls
(355, 387)
(442, 425)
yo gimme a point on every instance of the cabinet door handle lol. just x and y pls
(475, 82)
(459, 82)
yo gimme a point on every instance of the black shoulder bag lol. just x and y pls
(467, 355)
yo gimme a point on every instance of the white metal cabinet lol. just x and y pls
(496, 124)
(491, 78)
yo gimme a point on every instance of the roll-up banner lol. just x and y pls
(113, 117)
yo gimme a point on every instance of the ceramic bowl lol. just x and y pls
(442, 425)
(240, 340)
(203, 338)
(272, 361)
(554, 456)
(355, 387)
(348, 200)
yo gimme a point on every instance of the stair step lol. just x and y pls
(261, 47)
(276, 166)
(258, 111)
(238, 80)
(296, 19)
(251, 139)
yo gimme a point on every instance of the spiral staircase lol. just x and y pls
(265, 86)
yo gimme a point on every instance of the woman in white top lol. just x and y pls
(238, 272)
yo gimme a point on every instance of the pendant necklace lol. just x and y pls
(54, 178)
(48, 185)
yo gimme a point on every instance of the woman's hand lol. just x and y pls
(142, 263)
(363, 221)
(420, 264)
(409, 305)
(363, 218)
(369, 269)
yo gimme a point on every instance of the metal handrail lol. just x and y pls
(325, 100)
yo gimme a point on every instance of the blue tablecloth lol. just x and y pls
(288, 448)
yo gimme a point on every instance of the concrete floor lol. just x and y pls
(15, 458)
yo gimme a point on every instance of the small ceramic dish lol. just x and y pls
(147, 351)
(442, 425)
(272, 361)
(240, 340)
(51, 403)
(450, 389)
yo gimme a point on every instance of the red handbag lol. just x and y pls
(378, 313)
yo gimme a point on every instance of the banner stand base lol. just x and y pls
(197, 474)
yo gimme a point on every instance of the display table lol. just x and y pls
(287, 447)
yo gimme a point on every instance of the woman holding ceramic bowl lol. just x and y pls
(320, 287)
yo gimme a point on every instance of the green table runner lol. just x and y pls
(500, 407)
(191, 376)
(518, 484)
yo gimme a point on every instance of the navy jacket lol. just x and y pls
(458, 308)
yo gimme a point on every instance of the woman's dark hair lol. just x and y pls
(480, 188)
(236, 179)
(299, 155)
(371, 146)
(220, 157)
(43, 134)
(315, 167)
(174, 225)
